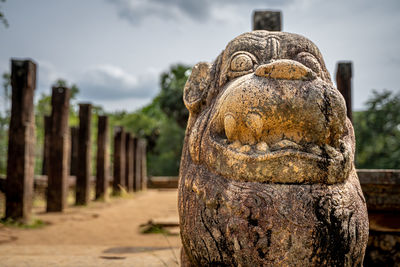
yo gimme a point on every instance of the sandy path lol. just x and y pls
(102, 234)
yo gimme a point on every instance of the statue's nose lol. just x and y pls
(285, 69)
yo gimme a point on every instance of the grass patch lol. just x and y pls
(153, 229)
(33, 224)
(123, 193)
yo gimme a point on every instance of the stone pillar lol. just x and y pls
(129, 162)
(133, 162)
(58, 168)
(102, 166)
(47, 130)
(119, 160)
(143, 161)
(343, 81)
(21, 142)
(84, 166)
(138, 164)
(267, 20)
(74, 150)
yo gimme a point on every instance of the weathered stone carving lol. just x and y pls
(267, 175)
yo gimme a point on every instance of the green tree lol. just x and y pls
(171, 95)
(163, 135)
(162, 123)
(6, 91)
(165, 139)
(378, 132)
(4, 122)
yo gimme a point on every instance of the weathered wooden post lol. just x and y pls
(267, 20)
(47, 131)
(129, 162)
(84, 166)
(21, 144)
(138, 165)
(74, 150)
(143, 164)
(119, 160)
(58, 153)
(102, 166)
(343, 82)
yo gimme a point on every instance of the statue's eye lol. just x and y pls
(309, 61)
(241, 62)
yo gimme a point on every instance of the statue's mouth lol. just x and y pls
(275, 131)
(263, 151)
(282, 162)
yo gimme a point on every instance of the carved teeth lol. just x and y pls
(255, 123)
(245, 148)
(224, 141)
(235, 145)
(239, 147)
(230, 126)
(262, 146)
(285, 144)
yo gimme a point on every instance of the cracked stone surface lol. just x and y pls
(267, 173)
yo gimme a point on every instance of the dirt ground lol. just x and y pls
(100, 234)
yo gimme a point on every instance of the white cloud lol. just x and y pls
(111, 83)
(48, 74)
(126, 104)
(135, 11)
(105, 85)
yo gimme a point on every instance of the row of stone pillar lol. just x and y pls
(66, 152)
(72, 151)
(130, 172)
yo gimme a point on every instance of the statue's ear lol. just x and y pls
(196, 87)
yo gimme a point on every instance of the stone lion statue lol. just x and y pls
(267, 175)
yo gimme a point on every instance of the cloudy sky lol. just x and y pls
(115, 50)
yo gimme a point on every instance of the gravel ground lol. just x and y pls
(101, 234)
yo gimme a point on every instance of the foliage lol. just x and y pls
(4, 122)
(42, 108)
(171, 95)
(378, 132)
(164, 136)
(153, 229)
(165, 152)
(162, 123)
(7, 89)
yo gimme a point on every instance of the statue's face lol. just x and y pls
(267, 111)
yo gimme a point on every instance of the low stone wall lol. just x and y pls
(163, 182)
(381, 189)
